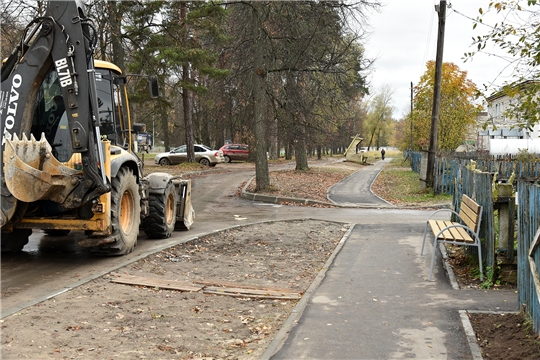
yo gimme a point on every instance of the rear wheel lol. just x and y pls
(204, 161)
(164, 162)
(159, 224)
(125, 214)
(227, 158)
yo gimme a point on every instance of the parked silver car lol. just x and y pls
(203, 155)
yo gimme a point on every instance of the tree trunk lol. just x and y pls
(262, 176)
(300, 147)
(288, 151)
(179, 134)
(301, 155)
(115, 19)
(165, 128)
(186, 98)
(273, 136)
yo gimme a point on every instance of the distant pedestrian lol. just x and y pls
(382, 153)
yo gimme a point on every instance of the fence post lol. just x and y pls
(528, 225)
(484, 196)
(423, 170)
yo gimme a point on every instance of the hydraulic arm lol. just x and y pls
(64, 39)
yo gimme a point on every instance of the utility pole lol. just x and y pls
(412, 137)
(441, 9)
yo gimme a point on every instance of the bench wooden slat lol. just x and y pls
(463, 235)
(456, 234)
(471, 203)
(469, 216)
(437, 226)
(452, 234)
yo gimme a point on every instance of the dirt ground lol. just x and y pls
(273, 262)
(505, 337)
(107, 320)
(500, 336)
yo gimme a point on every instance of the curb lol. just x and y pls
(277, 199)
(471, 336)
(244, 194)
(296, 313)
(449, 271)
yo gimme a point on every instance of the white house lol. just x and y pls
(499, 124)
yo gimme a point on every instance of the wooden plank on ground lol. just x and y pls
(242, 286)
(251, 293)
(153, 282)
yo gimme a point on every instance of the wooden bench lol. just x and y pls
(465, 232)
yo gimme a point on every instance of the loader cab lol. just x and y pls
(113, 104)
(50, 117)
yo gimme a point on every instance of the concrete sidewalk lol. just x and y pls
(374, 302)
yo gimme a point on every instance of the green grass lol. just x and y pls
(398, 183)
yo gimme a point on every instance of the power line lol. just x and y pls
(428, 43)
(450, 6)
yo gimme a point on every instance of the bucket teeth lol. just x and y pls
(32, 172)
(30, 150)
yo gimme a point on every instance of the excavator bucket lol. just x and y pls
(32, 172)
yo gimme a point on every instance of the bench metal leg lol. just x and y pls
(480, 263)
(435, 243)
(423, 242)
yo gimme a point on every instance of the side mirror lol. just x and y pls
(154, 86)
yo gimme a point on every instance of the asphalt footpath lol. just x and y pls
(373, 301)
(355, 190)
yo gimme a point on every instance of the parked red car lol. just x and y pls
(235, 152)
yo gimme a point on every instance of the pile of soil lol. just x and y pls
(104, 319)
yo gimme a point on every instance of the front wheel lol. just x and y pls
(227, 158)
(159, 224)
(204, 161)
(125, 214)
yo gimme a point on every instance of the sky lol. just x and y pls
(404, 37)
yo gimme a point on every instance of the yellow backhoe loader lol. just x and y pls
(67, 144)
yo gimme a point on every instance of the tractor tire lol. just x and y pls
(159, 224)
(15, 241)
(125, 214)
